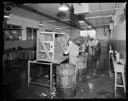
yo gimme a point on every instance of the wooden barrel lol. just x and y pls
(66, 80)
(81, 67)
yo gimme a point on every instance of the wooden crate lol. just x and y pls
(50, 46)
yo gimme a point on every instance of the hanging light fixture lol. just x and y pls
(7, 10)
(6, 16)
(41, 24)
(81, 21)
(58, 28)
(89, 26)
(63, 8)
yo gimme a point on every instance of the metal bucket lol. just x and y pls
(66, 80)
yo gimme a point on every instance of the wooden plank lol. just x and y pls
(45, 49)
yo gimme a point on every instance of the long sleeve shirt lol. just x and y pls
(72, 49)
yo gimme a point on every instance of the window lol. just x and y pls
(91, 33)
(13, 32)
(31, 33)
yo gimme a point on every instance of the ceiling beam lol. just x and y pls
(96, 17)
(95, 11)
(55, 21)
(86, 21)
(101, 25)
(45, 15)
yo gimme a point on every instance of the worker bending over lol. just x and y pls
(73, 51)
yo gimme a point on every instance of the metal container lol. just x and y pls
(66, 80)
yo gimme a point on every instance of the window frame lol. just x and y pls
(10, 28)
(31, 36)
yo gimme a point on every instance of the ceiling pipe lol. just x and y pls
(82, 18)
(43, 14)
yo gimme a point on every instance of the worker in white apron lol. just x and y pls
(73, 51)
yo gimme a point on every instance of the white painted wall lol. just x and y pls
(100, 34)
(119, 28)
(119, 31)
(101, 37)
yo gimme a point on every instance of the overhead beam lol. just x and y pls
(95, 11)
(45, 15)
(55, 21)
(87, 22)
(101, 25)
(96, 17)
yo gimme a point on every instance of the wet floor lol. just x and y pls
(96, 83)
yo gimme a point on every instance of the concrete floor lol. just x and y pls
(15, 83)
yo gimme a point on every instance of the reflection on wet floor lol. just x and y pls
(96, 83)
